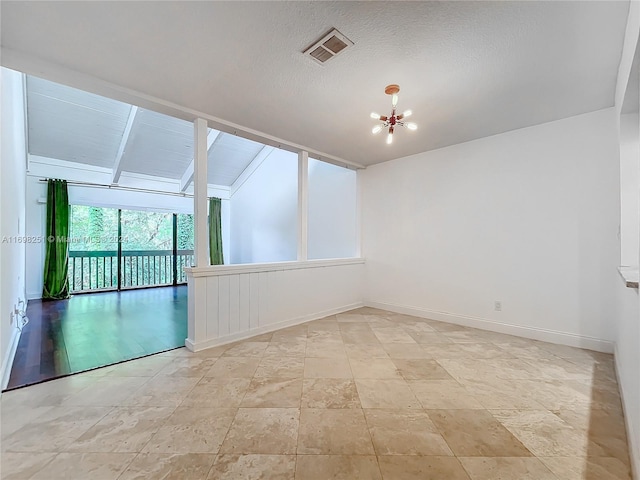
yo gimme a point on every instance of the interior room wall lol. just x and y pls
(629, 185)
(12, 209)
(627, 356)
(263, 212)
(332, 211)
(528, 218)
(627, 321)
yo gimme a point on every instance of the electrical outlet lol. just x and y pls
(497, 306)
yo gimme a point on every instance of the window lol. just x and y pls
(147, 254)
(93, 248)
(332, 211)
(264, 212)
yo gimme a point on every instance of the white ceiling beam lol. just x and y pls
(252, 167)
(117, 166)
(187, 176)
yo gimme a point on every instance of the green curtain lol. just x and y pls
(56, 265)
(215, 231)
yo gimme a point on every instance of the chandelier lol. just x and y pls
(392, 120)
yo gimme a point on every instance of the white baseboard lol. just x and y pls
(551, 336)
(633, 434)
(216, 342)
(7, 361)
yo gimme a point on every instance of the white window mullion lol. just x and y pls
(303, 204)
(201, 240)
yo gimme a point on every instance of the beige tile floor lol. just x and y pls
(363, 395)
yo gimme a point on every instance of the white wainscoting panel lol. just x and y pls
(227, 304)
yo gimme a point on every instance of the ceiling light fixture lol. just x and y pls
(392, 120)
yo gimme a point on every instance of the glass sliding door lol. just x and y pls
(154, 248)
(147, 249)
(93, 248)
(184, 244)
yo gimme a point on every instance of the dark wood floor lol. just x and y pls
(93, 330)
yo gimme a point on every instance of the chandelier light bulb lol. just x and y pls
(389, 123)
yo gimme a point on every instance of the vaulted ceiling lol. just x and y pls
(83, 128)
(466, 69)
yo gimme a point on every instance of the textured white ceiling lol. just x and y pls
(466, 69)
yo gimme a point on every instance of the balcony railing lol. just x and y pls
(98, 270)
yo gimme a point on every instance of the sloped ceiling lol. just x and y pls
(71, 125)
(466, 69)
(80, 127)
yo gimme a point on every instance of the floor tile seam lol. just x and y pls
(276, 378)
(497, 420)
(109, 412)
(524, 410)
(31, 419)
(469, 474)
(295, 467)
(31, 452)
(138, 454)
(100, 452)
(164, 422)
(518, 434)
(226, 435)
(184, 397)
(438, 432)
(47, 463)
(329, 409)
(129, 451)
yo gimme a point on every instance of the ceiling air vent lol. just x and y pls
(328, 46)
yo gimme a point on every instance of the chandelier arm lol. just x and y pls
(393, 120)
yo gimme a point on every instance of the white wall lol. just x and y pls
(263, 212)
(332, 224)
(35, 229)
(627, 321)
(629, 189)
(12, 211)
(627, 358)
(528, 218)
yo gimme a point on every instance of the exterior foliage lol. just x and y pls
(147, 248)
